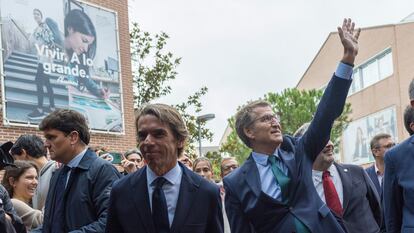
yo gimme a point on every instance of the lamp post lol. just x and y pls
(202, 118)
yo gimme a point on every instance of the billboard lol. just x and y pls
(358, 135)
(60, 54)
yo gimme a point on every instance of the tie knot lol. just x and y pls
(65, 169)
(326, 174)
(272, 159)
(159, 182)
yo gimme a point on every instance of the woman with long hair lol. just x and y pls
(80, 46)
(21, 183)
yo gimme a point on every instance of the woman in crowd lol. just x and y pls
(21, 183)
(204, 168)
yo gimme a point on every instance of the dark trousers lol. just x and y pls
(41, 80)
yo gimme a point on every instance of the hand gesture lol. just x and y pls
(349, 38)
(129, 166)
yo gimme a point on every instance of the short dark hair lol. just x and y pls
(375, 140)
(132, 151)
(32, 144)
(67, 120)
(245, 117)
(408, 119)
(168, 115)
(16, 172)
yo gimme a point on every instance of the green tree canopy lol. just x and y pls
(152, 68)
(295, 108)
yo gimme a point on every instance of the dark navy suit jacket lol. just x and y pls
(198, 206)
(361, 203)
(86, 196)
(251, 210)
(398, 196)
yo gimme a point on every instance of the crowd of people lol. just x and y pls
(287, 184)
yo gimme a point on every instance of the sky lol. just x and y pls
(243, 49)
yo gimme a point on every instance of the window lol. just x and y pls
(372, 71)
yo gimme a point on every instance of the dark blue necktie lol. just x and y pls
(159, 207)
(58, 208)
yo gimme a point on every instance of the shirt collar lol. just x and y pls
(172, 176)
(317, 175)
(377, 170)
(76, 160)
(262, 159)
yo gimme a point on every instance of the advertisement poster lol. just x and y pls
(358, 135)
(60, 54)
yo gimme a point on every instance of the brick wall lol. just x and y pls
(113, 142)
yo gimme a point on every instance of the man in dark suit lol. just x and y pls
(78, 195)
(164, 196)
(398, 196)
(380, 144)
(273, 190)
(347, 190)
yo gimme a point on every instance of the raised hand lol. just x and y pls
(349, 38)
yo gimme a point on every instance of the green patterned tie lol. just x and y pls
(283, 181)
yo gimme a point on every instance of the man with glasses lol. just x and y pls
(380, 144)
(273, 190)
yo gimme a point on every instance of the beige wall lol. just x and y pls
(389, 91)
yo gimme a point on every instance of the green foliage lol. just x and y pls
(234, 146)
(153, 68)
(295, 107)
(215, 159)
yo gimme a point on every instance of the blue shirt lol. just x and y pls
(171, 188)
(75, 162)
(268, 181)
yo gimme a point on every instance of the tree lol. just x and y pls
(153, 68)
(295, 107)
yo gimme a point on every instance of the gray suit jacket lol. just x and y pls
(361, 203)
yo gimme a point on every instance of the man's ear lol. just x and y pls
(180, 144)
(412, 126)
(24, 154)
(249, 133)
(74, 137)
(412, 103)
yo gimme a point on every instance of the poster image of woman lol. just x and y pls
(80, 46)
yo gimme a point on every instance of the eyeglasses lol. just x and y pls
(232, 167)
(268, 118)
(388, 146)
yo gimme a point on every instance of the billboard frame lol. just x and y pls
(7, 123)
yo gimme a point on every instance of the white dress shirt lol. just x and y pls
(317, 182)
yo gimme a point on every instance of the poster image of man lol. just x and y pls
(53, 59)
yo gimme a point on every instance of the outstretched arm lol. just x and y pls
(333, 99)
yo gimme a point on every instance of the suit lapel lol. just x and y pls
(251, 175)
(51, 196)
(374, 178)
(188, 188)
(140, 198)
(346, 180)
